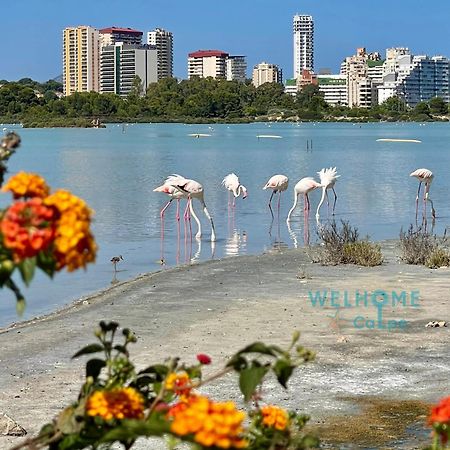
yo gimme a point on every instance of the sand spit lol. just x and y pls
(219, 306)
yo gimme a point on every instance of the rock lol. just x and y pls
(9, 427)
(342, 339)
(436, 324)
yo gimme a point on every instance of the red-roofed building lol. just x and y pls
(207, 63)
(112, 35)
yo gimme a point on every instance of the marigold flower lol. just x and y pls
(74, 243)
(28, 227)
(121, 403)
(27, 185)
(275, 417)
(179, 383)
(203, 359)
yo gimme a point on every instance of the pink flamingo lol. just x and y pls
(328, 179)
(193, 189)
(172, 192)
(424, 176)
(278, 183)
(303, 187)
(231, 182)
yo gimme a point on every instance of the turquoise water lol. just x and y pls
(115, 170)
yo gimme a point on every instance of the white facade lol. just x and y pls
(303, 29)
(207, 63)
(236, 68)
(266, 73)
(121, 63)
(80, 59)
(163, 40)
(334, 89)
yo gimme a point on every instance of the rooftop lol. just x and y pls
(119, 30)
(206, 53)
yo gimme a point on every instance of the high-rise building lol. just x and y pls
(80, 59)
(303, 28)
(113, 35)
(334, 89)
(207, 63)
(121, 63)
(236, 68)
(163, 40)
(266, 73)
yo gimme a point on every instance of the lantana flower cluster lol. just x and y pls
(56, 224)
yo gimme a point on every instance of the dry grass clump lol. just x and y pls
(417, 246)
(341, 245)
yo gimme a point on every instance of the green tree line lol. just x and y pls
(195, 100)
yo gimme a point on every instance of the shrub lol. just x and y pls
(342, 246)
(438, 258)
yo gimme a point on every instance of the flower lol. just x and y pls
(203, 359)
(179, 383)
(120, 403)
(28, 227)
(27, 185)
(74, 243)
(441, 412)
(211, 424)
(274, 416)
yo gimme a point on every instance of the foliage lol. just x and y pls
(417, 246)
(39, 229)
(343, 246)
(118, 403)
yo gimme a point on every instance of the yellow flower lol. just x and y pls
(27, 185)
(211, 424)
(74, 243)
(275, 417)
(179, 383)
(121, 403)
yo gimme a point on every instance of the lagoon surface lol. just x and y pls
(116, 169)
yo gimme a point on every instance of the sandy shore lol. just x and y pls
(219, 306)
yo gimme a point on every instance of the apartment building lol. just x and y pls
(80, 59)
(236, 68)
(266, 73)
(207, 63)
(121, 63)
(163, 41)
(113, 35)
(303, 30)
(334, 89)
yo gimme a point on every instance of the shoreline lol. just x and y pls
(219, 307)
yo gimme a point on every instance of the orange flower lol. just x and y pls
(28, 227)
(179, 383)
(275, 417)
(121, 403)
(27, 185)
(211, 424)
(74, 243)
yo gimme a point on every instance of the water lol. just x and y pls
(115, 170)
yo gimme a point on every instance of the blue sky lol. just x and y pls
(31, 30)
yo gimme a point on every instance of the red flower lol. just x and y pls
(203, 359)
(441, 412)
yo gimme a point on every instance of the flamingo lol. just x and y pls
(328, 179)
(172, 192)
(424, 176)
(231, 182)
(278, 183)
(304, 186)
(193, 189)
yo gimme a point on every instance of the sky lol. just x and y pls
(31, 30)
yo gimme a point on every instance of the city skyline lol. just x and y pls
(232, 27)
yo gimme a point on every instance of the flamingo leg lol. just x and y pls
(270, 201)
(335, 200)
(177, 216)
(161, 214)
(279, 204)
(417, 199)
(427, 198)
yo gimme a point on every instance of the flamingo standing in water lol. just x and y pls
(193, 189)
(172, 192)
(328, 179)
(424, 176)
(231, 182)
(278, 183)
(303, 187)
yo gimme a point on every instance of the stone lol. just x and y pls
(436, 324)
(9, 427)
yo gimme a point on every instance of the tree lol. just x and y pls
(438, 106)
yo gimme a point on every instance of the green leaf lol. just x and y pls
(27, 268)
(283, 371)
(237, 362)
(249, 380)
(160, 370)
(94, 367)
(91, 348)
(132, 429)
(258, 347)
(47, 263)
(121, 349)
